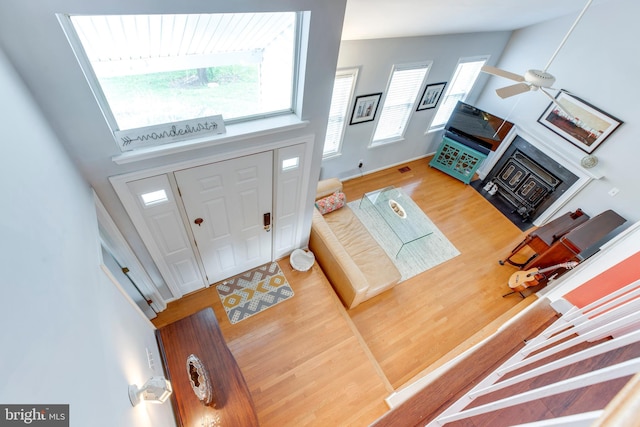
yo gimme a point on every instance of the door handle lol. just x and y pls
(198, 221)
(266, 220)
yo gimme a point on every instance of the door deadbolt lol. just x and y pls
(266, 220)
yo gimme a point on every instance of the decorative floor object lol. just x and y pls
(415, 257)
(254, 291)
(301, 260)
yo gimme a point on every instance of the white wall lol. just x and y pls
(375, 59)
(47, 64)
(68, 335)
(599, 64)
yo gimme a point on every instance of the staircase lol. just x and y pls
(540, 369)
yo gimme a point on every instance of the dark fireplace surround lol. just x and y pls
(524, 182)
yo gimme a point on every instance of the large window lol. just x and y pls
(153, 69)
(403, 90)
(342, 93)
(461, 84)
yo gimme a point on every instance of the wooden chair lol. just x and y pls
(543, 237)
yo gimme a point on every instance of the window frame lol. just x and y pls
(427, 64)
(86, 67)
(451, 85)
(345, 118)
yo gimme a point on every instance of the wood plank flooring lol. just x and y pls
(308, 361)
(425, 317)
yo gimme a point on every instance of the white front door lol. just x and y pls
(226, 204)
(156, 214)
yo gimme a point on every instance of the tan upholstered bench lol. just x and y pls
(353, 261)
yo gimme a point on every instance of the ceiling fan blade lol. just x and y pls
(516, 89)
(555, 101)
(502, 73)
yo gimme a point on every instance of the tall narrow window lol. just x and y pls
(342, 93)
(402, 92)
(149, 70)
(461, 84)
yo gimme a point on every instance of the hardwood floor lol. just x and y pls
(429, 315)
(308, 361)
(302, 360)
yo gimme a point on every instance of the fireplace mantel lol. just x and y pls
(567, 158)
(562, 151)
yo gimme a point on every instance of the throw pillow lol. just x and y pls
(331, 203)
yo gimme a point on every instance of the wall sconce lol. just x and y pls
(156, 390)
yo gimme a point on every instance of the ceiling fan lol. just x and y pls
(533, 79)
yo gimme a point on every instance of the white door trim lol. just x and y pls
(123, 253)
(119, 183)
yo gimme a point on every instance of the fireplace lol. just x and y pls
(524, 182)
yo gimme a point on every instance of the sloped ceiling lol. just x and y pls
(372, 19)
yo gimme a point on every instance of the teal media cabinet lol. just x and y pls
(457, 160)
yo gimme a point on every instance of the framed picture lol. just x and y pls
(431, 96)
(365, 107)
(579, 122)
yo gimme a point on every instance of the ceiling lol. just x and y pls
(372, 19)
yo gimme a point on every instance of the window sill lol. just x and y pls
(385, 142)
(331, 156)
(434, 130)
(235, 132)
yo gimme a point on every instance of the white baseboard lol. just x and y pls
(386, 167)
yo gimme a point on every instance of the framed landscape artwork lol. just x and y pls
(579, 122)
(431, 96)
(365, 107)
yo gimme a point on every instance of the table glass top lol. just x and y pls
(401, 213)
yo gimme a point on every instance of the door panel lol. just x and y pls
(166, 226)
(290, 181)
(230, 198)
(171, 248)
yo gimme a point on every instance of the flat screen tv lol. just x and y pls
(473, 126)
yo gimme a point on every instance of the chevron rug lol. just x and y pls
(254, 291)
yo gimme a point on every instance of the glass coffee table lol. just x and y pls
(400, 213)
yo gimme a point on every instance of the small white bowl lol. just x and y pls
(301, 260)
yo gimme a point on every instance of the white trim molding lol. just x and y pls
(123, 253)
(235, 132)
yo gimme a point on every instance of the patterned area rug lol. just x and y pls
(415, 257)
(254, 291)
